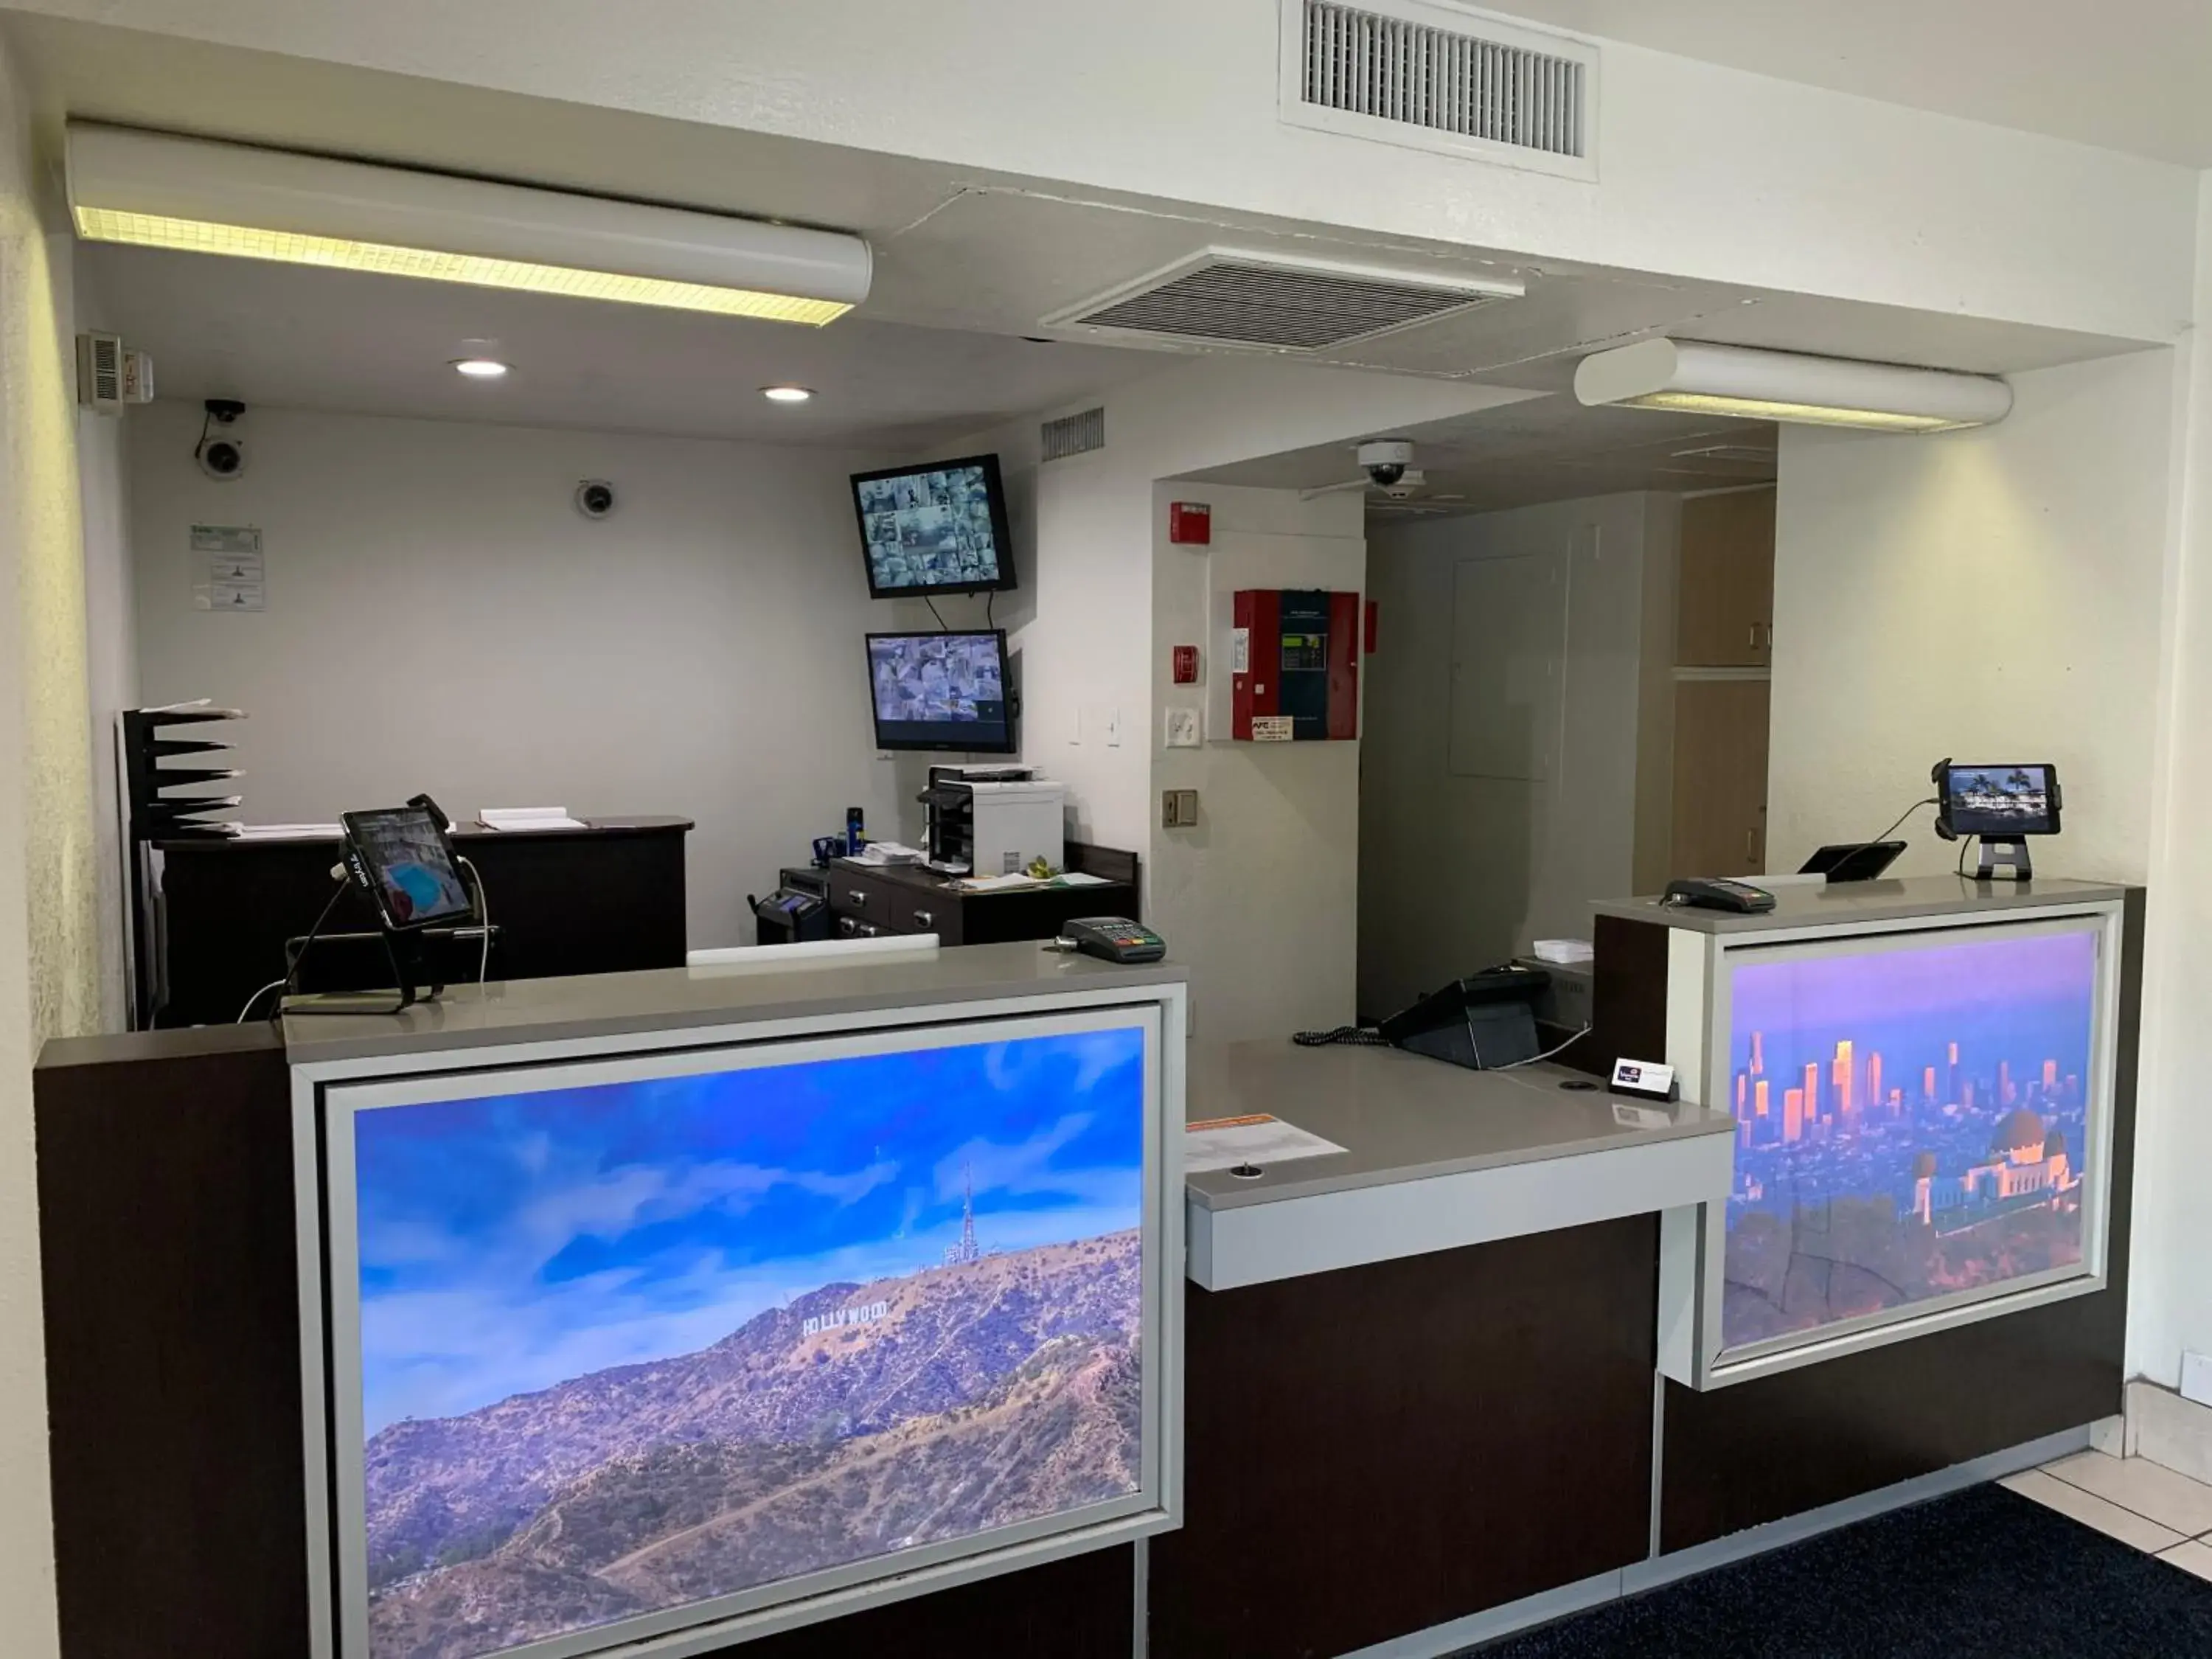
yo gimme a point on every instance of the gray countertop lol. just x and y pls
(1405, 1117)
(1816, 904)
(678, 999)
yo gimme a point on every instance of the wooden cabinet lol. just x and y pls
(1724, 615)
(1720, 778)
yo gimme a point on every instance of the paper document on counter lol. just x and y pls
(1259, 1139)
(528, 818)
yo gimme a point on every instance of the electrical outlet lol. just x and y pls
(1184, 728)
(1179, 809)
(2197, 1377)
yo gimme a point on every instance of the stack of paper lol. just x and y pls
(1564, 952)
(889, 853)
(288, 832)
(527, 817)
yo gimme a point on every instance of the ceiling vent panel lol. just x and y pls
(1440, 76)
(1273, 302)
(1072, 434)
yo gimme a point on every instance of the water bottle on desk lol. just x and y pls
(856, 836)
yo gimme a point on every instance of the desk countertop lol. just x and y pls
(1405, 1117)
(1818, 904)
(679, 998)
(652, 824)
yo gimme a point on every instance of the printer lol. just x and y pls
(995, 820)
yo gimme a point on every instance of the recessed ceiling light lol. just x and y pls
(479, 368)
(786, 394)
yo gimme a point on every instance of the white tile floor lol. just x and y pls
(2134, 1500)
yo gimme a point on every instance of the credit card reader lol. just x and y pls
(1115, 939)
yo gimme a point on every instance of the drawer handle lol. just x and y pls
(859, 898)
(924, 918)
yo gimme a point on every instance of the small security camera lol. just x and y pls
(220, 456)
(1386, 459)
(595, 498)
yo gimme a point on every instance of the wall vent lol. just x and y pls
(100, 372)
(1073, 435)
(1439, 77)
(1223, 297)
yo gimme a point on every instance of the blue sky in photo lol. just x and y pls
(511, 1241)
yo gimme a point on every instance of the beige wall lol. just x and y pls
(49, 965)
(1989, 595)
(1262, 899)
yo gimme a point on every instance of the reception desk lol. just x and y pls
(1418, 1391)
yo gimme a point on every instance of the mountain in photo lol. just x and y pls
(855, 1420)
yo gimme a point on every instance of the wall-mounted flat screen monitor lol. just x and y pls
(1923, 1123)
(623, 1346)
(944, 692)
(2011, 799)
(935, 529)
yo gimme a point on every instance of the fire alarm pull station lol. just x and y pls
(1191, 522)
(1295, 667)
(1185, 664)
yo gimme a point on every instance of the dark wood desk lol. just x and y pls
(605, 899)
(867, 900)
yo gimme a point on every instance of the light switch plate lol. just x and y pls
(1179, 809)
(1113, 724)
(1185, 729)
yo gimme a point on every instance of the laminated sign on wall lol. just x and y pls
(227, 572)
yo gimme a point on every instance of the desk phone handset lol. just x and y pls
(1715, 893)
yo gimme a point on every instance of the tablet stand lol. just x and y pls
(2005, 858)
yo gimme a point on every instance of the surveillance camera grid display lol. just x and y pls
(932, 531)
(408, 859)
(1999, 800)
(941, 691)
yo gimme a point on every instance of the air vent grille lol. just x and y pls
(1250, 300)
(100, 371)
(1073, 435)
(1385, 68)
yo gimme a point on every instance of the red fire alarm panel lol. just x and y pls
(1296, 669)
(1191, 522)
(1185, 664)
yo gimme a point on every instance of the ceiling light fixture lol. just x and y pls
(787, 394)
(1697, 379)
(159, 191)
(479, 368)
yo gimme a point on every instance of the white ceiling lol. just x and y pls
(306, 338)
(966, 263)
(1547, 449)
(2126, 74)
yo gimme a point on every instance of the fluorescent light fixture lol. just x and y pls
(787, 394)
(159, 191)
(479, 368)
(1782, 386)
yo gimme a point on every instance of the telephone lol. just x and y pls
(1715, 893)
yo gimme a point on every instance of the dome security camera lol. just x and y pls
(221, 456)
(1386, 459)
(595, 498)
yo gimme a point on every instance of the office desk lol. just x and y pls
(605, 899)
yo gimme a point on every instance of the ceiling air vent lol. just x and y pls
(1221, 297)
(1437, 76)
(1073, 435)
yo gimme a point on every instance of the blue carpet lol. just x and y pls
(1984, 1574)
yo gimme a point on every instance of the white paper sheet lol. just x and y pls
(1259, 1139)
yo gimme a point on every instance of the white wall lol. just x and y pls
(1837, 195)
(111, 660)
(1460, 872)
(2170, 1295)
(442, 618)
(1262, 900)
(1991, 595)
